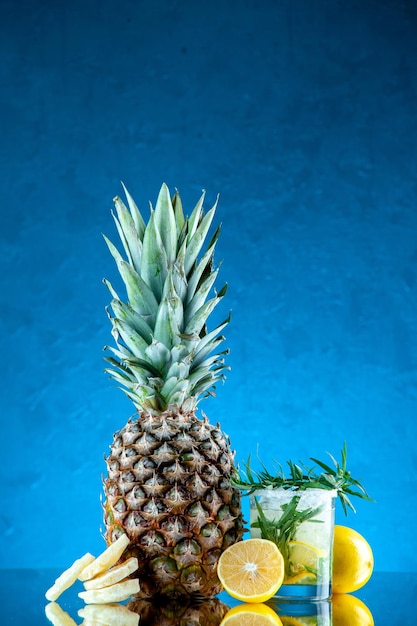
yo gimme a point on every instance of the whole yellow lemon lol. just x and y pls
(353, 560)
(350, 611)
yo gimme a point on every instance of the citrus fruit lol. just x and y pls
(303, 578)
(251, 615)
(353, 561)
(303, 557)
(348, 610)
(251, 570)
(309, 620)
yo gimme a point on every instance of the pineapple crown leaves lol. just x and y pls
(164, 354)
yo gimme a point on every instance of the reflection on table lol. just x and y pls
(389, 597)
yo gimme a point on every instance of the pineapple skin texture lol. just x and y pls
(168, 488)
(209, 612)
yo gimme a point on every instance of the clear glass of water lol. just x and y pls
(303, 613)
(301, 523)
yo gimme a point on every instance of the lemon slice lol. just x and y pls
(251, 615)
(303, 578)
(288, 620)
(353, 561)
(303, 556)
(251, 570)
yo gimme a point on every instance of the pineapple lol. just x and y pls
(168, 482)
(207, 612)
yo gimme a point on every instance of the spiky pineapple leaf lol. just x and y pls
(139, 294)
(167, 329)
(202, 354)
(204, 267)
(201, 294)
(196, 241)
(196, 324)
(127, 314)
(154, 259)
(133, 340)
(165, 223)
(136, 214)
(128, 234)
(170, 316)
(173, 386)
(158, 355)
(110, 288)
(180, 283)
(120, 374)
(196, 215)
(121, 353)
(143, 364)
(179, 370)
(209, 337)
(178, 211)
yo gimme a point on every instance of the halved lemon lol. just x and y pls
(251, 615)
(303, 556)
(251, 570)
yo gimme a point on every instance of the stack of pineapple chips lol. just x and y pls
(105, 585)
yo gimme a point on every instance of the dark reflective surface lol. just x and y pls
(391, 598)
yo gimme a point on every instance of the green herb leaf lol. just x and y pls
(302, 477)
(283, 530)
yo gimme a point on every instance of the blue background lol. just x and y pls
(302, 114)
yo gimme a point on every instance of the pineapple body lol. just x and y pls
(162, 612)
(168, 472)
(168, 488)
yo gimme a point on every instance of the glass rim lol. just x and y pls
(294, 492)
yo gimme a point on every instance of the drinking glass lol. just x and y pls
(301, 523)
(303, 613)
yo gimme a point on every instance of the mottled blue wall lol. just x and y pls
(302, 114)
